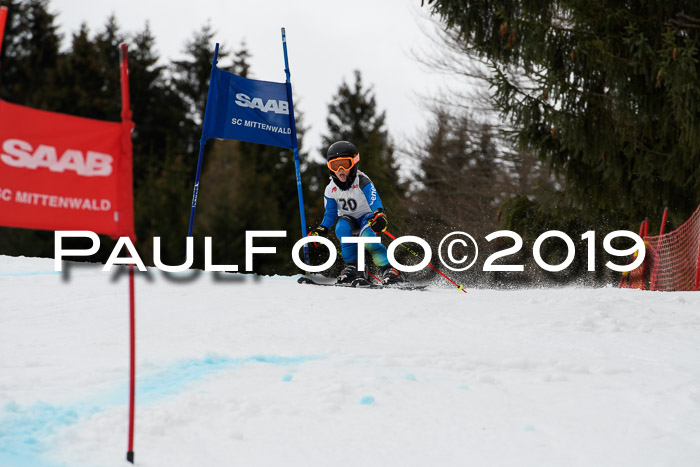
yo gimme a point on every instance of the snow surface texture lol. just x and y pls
(236, 370)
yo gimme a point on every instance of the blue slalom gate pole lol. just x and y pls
(292, 124)
(203, 141)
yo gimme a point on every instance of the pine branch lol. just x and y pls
(684, 21)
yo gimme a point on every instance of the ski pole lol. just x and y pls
(459, 286)
(374, 277)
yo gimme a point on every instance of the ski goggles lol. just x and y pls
(346, 163)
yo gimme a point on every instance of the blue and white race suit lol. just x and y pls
(352, 208)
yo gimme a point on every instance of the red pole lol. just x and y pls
(3, 19)
(459, 287)
(124, 69)
(644, 264)
(126, 120)
(132, 365)
(126, 197)
(662, 229)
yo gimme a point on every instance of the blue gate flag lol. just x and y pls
(247, 110)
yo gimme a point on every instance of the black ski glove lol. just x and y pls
(318, 231)
(378, 223)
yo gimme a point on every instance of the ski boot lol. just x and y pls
(348, 275)
(390, 275)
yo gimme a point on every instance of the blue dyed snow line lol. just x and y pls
(24, 430)
(22, 460)
(172, 380)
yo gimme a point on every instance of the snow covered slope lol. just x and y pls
(236, 370)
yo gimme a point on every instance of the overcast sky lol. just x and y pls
(326, 41)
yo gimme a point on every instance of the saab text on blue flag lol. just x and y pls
(247, 110)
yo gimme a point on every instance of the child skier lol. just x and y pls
(352, 200)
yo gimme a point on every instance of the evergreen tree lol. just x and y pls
(161, 208)
(461, 179)
(241, 60)
(88, 80)
(606, 93)
(159, 113)
(190, 76)
(245, 187)
(162, 168)
(30, 52)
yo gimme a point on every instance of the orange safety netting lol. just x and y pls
(672, 260)
(673, 257)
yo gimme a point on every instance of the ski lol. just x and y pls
(361, 283)
(357, 283)
(404, 286)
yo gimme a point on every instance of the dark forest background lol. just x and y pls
(581, 116)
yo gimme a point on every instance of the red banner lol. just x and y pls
(59, 172)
